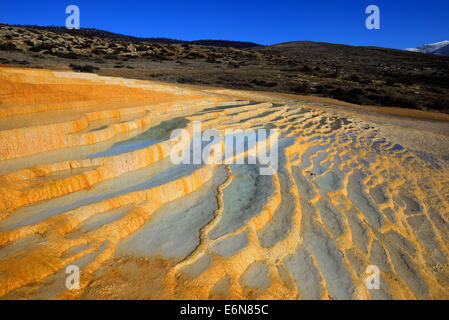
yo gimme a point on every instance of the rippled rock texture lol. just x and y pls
(86, 180)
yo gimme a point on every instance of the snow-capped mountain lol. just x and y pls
(441, 48)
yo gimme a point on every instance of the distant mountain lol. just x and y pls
(441, 48)
(92, 32)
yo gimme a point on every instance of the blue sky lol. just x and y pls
(403, 23)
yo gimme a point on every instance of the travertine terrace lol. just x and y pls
(86, 180)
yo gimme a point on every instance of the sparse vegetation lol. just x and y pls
(84, 68)
(8, 46)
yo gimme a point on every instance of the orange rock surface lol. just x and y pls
(86, 180)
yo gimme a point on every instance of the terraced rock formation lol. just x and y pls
(86, 179)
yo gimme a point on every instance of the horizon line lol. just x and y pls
(180, 40)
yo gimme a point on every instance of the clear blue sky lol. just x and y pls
(403, 23)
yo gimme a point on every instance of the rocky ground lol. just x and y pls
(361, 75)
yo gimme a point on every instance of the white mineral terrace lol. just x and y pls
(86, 179)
